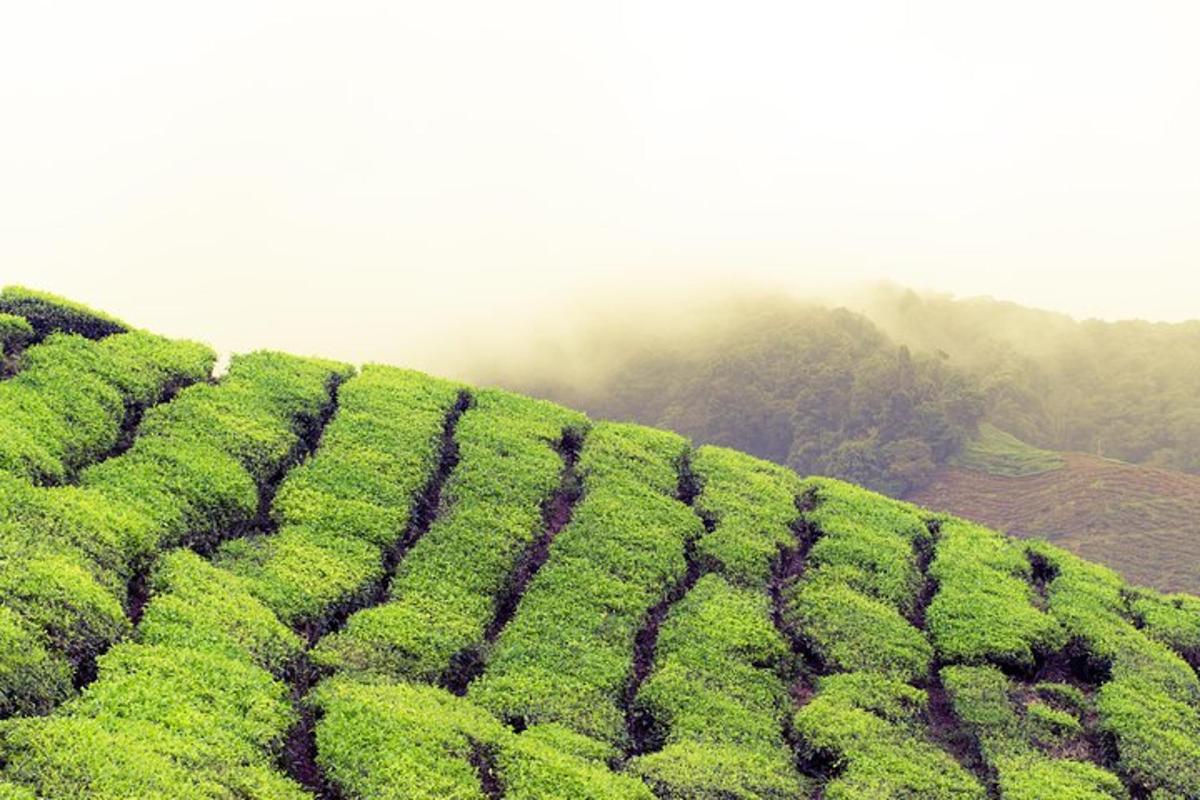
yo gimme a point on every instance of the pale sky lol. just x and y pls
(392, 180)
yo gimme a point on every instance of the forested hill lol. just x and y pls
(886, 394)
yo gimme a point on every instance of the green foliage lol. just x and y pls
(67, 405)
(1015, 742)
(32, 679)
(349, 501)
(864, 727)
(375, 457)
(48, 313)
(409, 741)
(203, 608)
(983, 610)
(15, 334)
(998, 453)
(866, 541)
(1173, 620)
(159, 722)
(753, 506)
(491, 513)
(1149, 704)
(567, 652)
(850, 631)
(717, 696)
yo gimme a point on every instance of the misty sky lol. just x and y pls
(391, 180)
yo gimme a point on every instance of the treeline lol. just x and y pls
(1127, 390)
(885, 394)
(823, 391)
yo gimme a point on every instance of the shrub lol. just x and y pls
(1173, 620)
(15, 334)
(849, 631)
(349, 501)
(48, 313)
(201, 607)
(68, 404)
(983, 610)
(491, 514)
(408, 741)
(159, 722)
(753, 506)
(716, 694)
(32, 679)
(567, 652)
(868, 540)
(864, 726)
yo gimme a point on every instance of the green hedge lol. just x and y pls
(865, 730)
(753, 505)
(413, 742)
(15, 334)
(1150, 703)
(48, 313)
(567, 653)
(1018, 741)
(66, 554)
(67, 405)
(349, 502)
(491, 514)
(983, 611)
(717, 696)
(849, 631)
(159, 722)
(867, 541)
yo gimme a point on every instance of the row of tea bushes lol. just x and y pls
(343, 510)
(568, 651)
(70, 401)
(492, 513)
(67, 554)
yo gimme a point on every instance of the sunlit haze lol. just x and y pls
(400, 181)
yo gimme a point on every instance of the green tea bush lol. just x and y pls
(849, 631)
(350, 501)
(491, 514)
(67, 405)
(159, 722)
(198, 606)
(1173, 620)
(1149, 704)
(983, 611)
(1017, 743)
(413, 742)
(48, 313)
(867, 540)
(32, 678)
(15, 334)
(716, 694)
(567, 653)
(864, 729)
(67, 553)
(753, 505)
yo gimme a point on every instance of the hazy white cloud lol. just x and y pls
(396, 180)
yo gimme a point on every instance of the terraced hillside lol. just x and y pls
(303, 580)
(1143, 521)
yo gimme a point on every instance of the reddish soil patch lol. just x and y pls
(1142, 521)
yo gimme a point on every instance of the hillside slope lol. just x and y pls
(1142, 521)
(305, 580)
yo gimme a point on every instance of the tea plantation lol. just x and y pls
(306, 580)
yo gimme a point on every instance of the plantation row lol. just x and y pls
(304, 581)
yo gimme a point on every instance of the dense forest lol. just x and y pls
(885, 393)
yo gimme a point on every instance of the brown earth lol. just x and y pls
(1142, 521)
